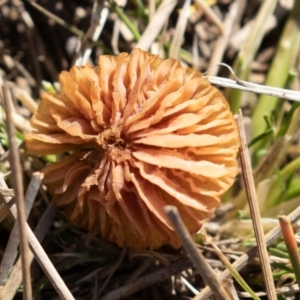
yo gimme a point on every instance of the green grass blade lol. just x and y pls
(248, 51)
(279, 71)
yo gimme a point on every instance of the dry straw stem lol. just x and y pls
(17, 181)
(10, 253)
(156, 24)
(42, 228)
(254, 209)
(195, 255)
(148, 280)
(39, 252)
(291, 245)
(241, 262)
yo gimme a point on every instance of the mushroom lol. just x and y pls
(136, 133)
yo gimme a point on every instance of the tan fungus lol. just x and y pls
(137, 133)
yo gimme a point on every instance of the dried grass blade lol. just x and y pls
(17, 173)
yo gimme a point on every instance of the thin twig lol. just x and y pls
(55, 18)
(241, 262)
(10, 252)
(195, 255)
(39, 252)
(18, 188)
(254, 209)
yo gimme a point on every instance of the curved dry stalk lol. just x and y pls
(255, 88)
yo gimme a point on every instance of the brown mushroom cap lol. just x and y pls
(140, 133)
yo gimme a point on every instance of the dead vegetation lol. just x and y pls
(260, 40)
